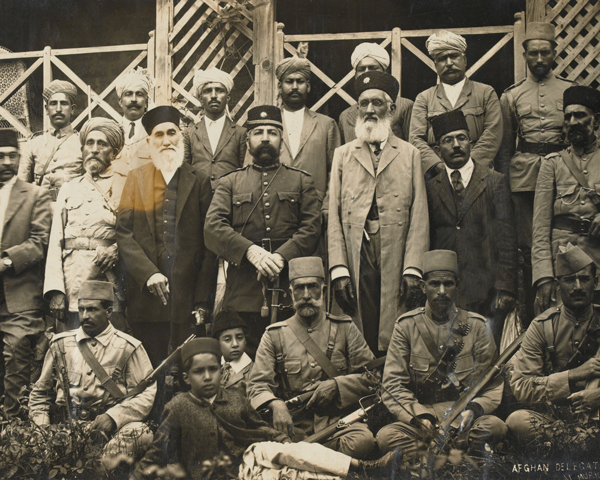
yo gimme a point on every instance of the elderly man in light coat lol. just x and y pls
(379, 223)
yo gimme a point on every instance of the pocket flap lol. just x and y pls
(293, 366)
(472, 111)
(74, 377)
(419, 364)
(241, 198)
(523, 110)
(292, 197)
(565, 189)
(464, 364)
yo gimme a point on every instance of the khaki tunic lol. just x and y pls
(532, 111)
(409, 362)
(303, 371)
(559, 193)
(481, 107)
(81, 212)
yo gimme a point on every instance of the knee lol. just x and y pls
(358, 444)
(489, 428)
(396, 435)
(520, 425)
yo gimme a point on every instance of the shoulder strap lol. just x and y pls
(312, 348)
(574, 170)
(429, 343)
(107, 382)
(333, 330)
(49, 159)
(106, 198)
(549, 335)
(277, 339)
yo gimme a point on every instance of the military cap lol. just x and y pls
(540, 31)
(379, 81)
(200, 345)
(96, 290)
(579, 95)
(9, 138)
(448, 122)
(158, 115)
(226, 320)
(440, 260)
(264, 115)
(570, 260)
(306, 267)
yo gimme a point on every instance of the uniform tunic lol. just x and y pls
(81, 212)
(287, 212)
(65, 164)
(559, 194)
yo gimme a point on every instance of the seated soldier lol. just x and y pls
(428, 341)
(198, 425)
(557, 363)
(97, 365)
(236, 365)
(313, 351)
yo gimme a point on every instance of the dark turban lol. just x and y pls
(60, 86)
(110, 128)
(293, 65)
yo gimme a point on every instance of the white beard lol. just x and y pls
(167, 161)
(370, 132)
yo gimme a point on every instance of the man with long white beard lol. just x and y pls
(379, 223)
(170, 275)
(82, 243)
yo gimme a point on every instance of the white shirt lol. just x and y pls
(381, 145)
(239, 364)
(453, 91)
(214, 128)
(168, 176)
(138, 129)
(465, 172)
(4, 198)
(294, 121)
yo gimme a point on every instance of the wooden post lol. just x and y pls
(47, 73)
(519, 36)
(263, 56)
(536, 10)
(397, 56)
(151, 59)
(162, 64)
(279, 49)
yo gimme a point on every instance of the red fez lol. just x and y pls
(226, 320)
(200, 345)
(158, 115)
(448, 122)
(306, 267)
(379, 81)
(440, 260)
(96, 290)
(9, 138)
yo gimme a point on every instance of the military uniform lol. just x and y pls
(410, 361)
(539, 376)
(60, 150)
(253, 203)
(122, 357)
(136, 151)
(563, 211)
(85, 221)
(280, 350)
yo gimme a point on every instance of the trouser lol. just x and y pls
(356, 441)
(486, 429)
(19, 332)
(256, 326)
(370, 289)
(132, 439)
(523, 204)
(528, 427)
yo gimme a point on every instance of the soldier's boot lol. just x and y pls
(382, 464)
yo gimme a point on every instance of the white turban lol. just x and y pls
(373, 50)
(444, 40)
(212, 75)
(137, 79)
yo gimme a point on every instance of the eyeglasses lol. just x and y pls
(462, 138)
(12, 156)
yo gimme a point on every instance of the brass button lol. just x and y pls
(267, 217)
(312, 365)
(238, 203)
(458, 227)
(400, 223)
(267, 204)
(264, 174)
(265, 194)
(268, 229)
(585, 172)
(398, 209)
(310, 330)
(265, 183)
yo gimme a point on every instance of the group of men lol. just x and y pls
(408, 218)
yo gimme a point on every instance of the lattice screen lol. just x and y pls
(578, 37)
(211, 33)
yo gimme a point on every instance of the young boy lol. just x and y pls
(230, 330)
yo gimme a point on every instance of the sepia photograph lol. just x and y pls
(299, 240)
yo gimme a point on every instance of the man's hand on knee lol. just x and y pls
(104, 423)
(325, 393)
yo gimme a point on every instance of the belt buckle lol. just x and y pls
(84, 415)
(542, 148)
(584, 227)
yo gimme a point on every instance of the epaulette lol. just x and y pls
(339, 318)
(515, 85)
(277, 325)
(547, 314)
(236, 170)
(68, 333)
(296, 169)
(134, 341)
(566, 79)
(477, 316)
(412, 313)
(552, 155)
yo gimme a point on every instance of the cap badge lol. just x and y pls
(263, 114)
(367, 80)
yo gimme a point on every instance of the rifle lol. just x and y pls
(293, 403)
(275, 290)
(61, 364)
(155, 374)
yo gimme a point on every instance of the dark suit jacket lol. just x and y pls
(230, 153)
(194, 271)
(482, 233)
(24, 240)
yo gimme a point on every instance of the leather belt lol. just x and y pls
(580, 226)
(275, 243)
(542, 148)
(83, 243)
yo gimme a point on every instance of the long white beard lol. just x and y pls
(167, 161)
(373, 132)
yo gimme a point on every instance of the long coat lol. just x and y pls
(403, 216)
(318, 140)
(229, 154)
(482, 233)
(193, 270)
(24, 240)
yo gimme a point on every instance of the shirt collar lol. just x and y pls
(63, 131)
(452, 313)
(261, 168)
(456, 86)
(104, 338)
(10, 183)
(573, 317)
(534, 79)
(220, 122)
(297, 113)
(466, 171)
(239, 364)
(127, 125)
(109, 172)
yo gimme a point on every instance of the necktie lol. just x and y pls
(226, 373)
(57, 133)
(456, 183)
(132, 130)
(377, 149)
